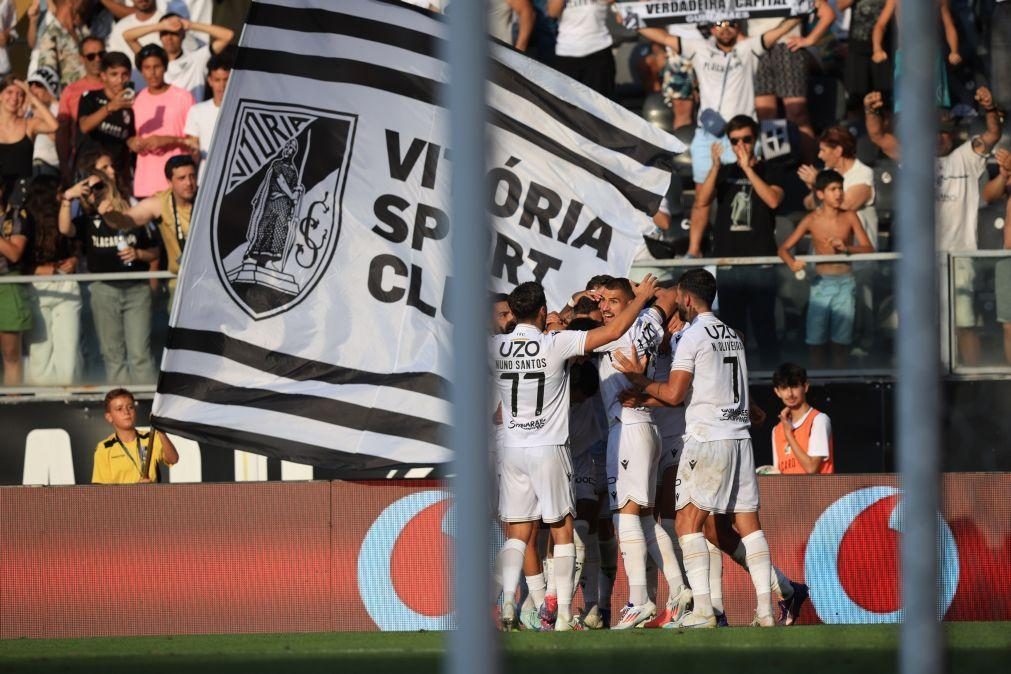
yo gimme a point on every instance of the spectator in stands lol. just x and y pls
(957, 198)
(58, 44)
(105, 116)
(202, 117)
(747, 194)
(583, 49)
(501, 15)
(127, 455)
(837, 149)
(15, 310)
(862, 75)
(1000, 53)
(802, 440)
(121, 309)
(186, 70)
(170, 208)
(145, 13)
(783, 73)
(160, 111)
(678, 82)
(8, 18)
(99, 159)
(831, 309)
(45, 86)
(879, 55)
(53, 348)
(92, 50)
(18, 133)
(725, 67)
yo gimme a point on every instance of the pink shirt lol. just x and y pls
(161, 115)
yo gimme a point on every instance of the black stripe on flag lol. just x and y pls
(329, 69)
(276, 447)
(302, 369)
(318, 408)
(312, 20)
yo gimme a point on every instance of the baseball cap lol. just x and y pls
(46, 77)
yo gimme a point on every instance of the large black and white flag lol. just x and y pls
(310, 320)
(650, 13)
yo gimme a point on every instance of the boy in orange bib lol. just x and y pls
(802, 441)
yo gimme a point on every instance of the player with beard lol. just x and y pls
(531, 374)
(633, 447)
(717, 475)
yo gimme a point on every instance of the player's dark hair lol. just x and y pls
(825, 178)
(117, 393)
(582, 323)
(115, 59)
(526, 301)
(739, 122)
(495, 298)
(789, 374)
(699, 283)
(622, 284)
(584, 306)
(583, 377)
(597, 281)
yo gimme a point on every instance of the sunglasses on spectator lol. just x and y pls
(742, 139)
(94, 55)
(725, 24)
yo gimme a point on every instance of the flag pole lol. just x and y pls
(918, 401)
(472, 646)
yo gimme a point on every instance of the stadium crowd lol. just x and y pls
(104, 139)
(102, 145)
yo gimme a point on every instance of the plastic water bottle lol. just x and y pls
(122, 244)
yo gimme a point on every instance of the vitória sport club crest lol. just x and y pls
(277, 213)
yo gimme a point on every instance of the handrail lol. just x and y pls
(762, 260)
(110, 276)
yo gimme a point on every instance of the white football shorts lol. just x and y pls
(632, 454)
(717, 476)
(535, 484)
(670, 453)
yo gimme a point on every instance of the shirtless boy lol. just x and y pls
(832, 303)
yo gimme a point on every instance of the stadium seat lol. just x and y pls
(885, 174)
(657, 113)
(990, 227)
(189, 468)
(250, 467)
(295, 472)
(48, 459)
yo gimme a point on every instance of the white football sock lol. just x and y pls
(580, 532)
(549, 575)
(693, 546)
(512, 567)
(661, 548)
(759, 567)
(565, 560)
(715, 577)
(667, 524)
(632, 542)
(536, 587)
(590, 580)
(608, 570)
(778, 581)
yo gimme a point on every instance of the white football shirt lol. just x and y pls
(670, 421)
(957, 198)
(733, 94)
(717, 402)
(531, 374)
(644, 335)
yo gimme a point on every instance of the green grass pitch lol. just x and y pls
(977, 648)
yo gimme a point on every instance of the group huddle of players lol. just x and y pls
(637, 394)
